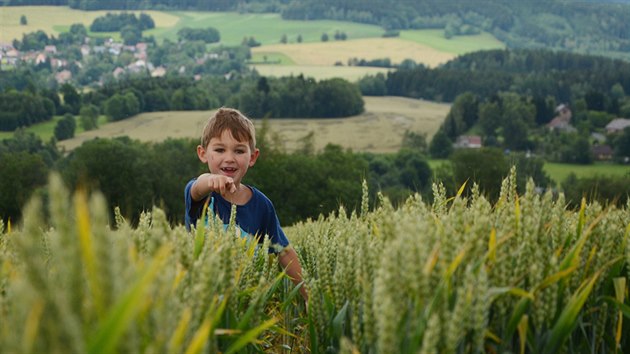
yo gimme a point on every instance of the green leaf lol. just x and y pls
(567, 319)
(521, 307)
(625, 309)
(111, 329)
(312, 332)
(250, 336)
(339, 321)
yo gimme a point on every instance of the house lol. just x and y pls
(141, 46)
(562, 120)
(63, 76)
(58, 63)
(85, 50)
(50, 49)
(468, 142)
(598, 138)
(40, 59)
(158, 72)
(617, 125)
(602, 152)
(118, 71)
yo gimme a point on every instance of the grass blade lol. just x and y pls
(567, 319)
(250, 336)
(119, 318)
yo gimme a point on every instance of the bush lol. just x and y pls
(65, 127)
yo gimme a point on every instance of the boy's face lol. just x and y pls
(227, 156)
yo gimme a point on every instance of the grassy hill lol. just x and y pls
(379, 129)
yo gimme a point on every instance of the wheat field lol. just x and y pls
(455, 275)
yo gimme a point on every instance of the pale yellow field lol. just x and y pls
(328, 53)
(379, 129)
(350, 73)
(47, 18)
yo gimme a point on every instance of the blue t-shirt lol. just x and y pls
(257, 217)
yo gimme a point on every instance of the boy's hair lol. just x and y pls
(241, 128)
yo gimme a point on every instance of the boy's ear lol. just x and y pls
(254, 157)
(201, 154)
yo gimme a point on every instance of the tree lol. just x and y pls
(336, 97)
(604, 189)
(65, 127)
(413, 168)
(131, 34)
(22, 174)
(578, 151)
(489, 117)
(89, 117)
(621, 144)
(23, 20)
(486, 166)
(324, 37)
(122, 169)
(71, 98)
(441, 146)
(415, 141)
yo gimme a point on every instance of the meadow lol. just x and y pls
(379, 129)
(559, 172)
(457, 275)
(56, 19)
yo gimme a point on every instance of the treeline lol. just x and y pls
(207, 35)
(289, 97)
(539, 73)
(19, 109)
(134, 176)
(116, 22)
(39, 39)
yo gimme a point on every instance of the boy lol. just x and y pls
(228, 147)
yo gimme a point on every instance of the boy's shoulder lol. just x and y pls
(259, 196)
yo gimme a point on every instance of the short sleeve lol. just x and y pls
(193, 208)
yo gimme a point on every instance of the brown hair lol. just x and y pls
(241, 127)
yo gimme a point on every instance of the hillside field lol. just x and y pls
(312, 57)
(56, 19)
(379, 129)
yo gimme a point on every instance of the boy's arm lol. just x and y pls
(208, 182)
(291, 264)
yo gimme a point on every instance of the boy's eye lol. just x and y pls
(239, 151)
(219, 149)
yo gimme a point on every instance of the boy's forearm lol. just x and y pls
(291, 264)
(199, 189)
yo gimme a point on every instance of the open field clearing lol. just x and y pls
(379, 129)
(329, 53)
(434, 38)
(318, 72)
(559, 171)
(266, 28)
(56, 19)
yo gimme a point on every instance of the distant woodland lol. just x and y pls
(583, 26)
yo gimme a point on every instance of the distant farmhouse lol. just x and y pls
(468, 142)
(617, 125)
(562, 120)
